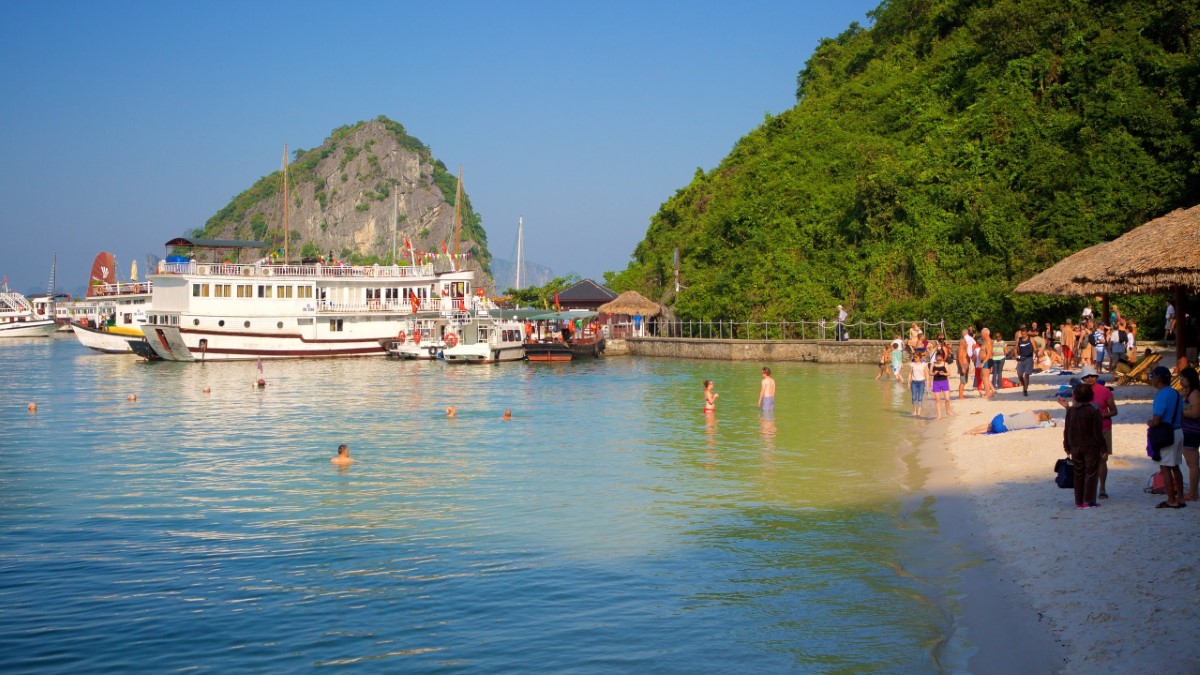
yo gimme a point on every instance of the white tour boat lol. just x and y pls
(419, 340)
(18, 318)
(224, 311)
(483, 338)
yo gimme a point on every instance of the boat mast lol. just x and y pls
(520, 249)
(395, 222)
(457, 215)
(286, 233)
(50, 290)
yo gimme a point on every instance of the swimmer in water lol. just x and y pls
(507, 414)
(343, 457)
(32, 407)
(450, 411)
(132, 397)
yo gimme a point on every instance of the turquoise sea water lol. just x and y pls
(609, 527)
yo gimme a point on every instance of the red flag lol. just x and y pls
(556, 307)
(444, 248)
(407, 244)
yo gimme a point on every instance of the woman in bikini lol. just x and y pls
(710, 397)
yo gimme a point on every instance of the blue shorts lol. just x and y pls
(768, 403)
(997, 425)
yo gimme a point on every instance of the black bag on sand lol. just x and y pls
(1064, 474)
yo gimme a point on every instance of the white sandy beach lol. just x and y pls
(1116, 589)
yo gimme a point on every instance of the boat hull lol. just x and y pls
(172, 343)
(484, 353)
(109, 340)
(38, 328)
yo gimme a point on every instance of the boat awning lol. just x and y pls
(216, 243)
(568, 315)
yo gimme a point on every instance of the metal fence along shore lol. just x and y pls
(778, 330)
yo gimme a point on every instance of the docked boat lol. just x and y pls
(483, 338)
(18, 318)
(419, 340)
(113, 312)
(564, 336)
(232, 311)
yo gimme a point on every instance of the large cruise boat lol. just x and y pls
(227, 311)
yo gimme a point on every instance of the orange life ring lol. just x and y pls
(416, 337)
(451, 339)
(400, 337)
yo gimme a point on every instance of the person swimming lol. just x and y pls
(343, 457)
(507, 414)
(451, 411)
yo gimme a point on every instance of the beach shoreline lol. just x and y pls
(1113, 588)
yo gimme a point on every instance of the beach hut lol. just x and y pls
(634, 305)
(1157, 257)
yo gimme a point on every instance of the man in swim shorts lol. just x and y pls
(343, 457)
(766, 393)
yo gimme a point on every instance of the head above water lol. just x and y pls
(343, 449)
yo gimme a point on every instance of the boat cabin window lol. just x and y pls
(222, 290)
(245, 291)
(199, 290)
(264, 291)
(335, 325)
(304, 291)
(283, 291)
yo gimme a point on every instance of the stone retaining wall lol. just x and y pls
(820, 351)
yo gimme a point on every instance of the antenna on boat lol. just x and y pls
(520, 249)
(286, 233)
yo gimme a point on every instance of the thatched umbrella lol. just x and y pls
(631, 303)
(1158, 257)
(1058, 280)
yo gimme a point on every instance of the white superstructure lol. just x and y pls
(216, 311)
(19, 319)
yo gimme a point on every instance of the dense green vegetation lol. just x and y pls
(938, 158)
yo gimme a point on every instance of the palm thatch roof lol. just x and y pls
(632, 303)
(1057, 280)
(1153, 258)
(1157, 257)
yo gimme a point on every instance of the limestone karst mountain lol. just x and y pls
(360, 195)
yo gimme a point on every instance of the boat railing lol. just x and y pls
(293, 271)
(123, 288)
(392, 306)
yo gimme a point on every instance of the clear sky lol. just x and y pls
(127, 123)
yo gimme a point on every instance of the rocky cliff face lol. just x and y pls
(368, 185)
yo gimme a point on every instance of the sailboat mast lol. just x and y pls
(520, 249)
(457, 214)
(286, 234)
(395, 223)
(50, 291)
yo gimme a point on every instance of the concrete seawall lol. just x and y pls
(820, 351)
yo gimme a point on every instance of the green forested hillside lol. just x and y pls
(938, 158)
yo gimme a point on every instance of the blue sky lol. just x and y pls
(128, 123)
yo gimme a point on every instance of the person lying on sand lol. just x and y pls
(1030, 419)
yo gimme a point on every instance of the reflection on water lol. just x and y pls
(610, 525)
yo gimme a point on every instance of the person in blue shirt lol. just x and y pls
(1168, 409)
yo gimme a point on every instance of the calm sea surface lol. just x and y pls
(609, 527)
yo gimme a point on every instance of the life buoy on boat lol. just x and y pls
(416, 337)
(400, 337)
(451, 339)
(432, 352)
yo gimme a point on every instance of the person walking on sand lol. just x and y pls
(1168, 409)
(766, 393)
(710, 398)
(917, 374)
(1191, 430)
(343, 457)
(940, 371)
(966, 348)
(1102, 400)
(1083, 441)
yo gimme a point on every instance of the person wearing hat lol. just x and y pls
(1102, 400)
(1168, 409)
